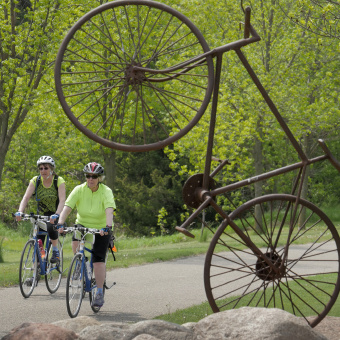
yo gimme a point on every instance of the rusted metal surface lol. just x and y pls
(126, 101)
(192, 190)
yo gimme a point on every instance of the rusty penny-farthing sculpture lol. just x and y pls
(138, 75)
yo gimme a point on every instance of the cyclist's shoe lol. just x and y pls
(55, 257)
(76, 274)
(98, 301)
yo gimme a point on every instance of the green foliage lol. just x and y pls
(298, 69)
(1, 249)
(146, 187)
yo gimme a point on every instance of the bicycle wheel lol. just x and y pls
(28, 271)
(54, 271)
(75, 286)
(308, 284)
(93, 293)
(119, 106)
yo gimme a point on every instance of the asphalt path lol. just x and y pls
(141, 293)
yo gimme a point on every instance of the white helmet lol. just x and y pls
(46, 160)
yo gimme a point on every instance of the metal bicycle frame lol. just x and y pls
(81, 251)
(205, 195)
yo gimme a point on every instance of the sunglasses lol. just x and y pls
(43, 168)
(91, 176)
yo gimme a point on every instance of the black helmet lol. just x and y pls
(93, 168)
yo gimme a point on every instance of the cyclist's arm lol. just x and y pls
(109, 216)
(62, 198)
(63, 215)
(109, 220)
(28, 194)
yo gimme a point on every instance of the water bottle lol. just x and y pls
(88, 268)
(41, 247)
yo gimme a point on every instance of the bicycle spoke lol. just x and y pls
(305, 282)
(104, 86)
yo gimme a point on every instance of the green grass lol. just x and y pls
(196, 313)
(131, 252)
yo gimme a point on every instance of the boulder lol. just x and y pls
(256, 324)
(29, 331)
(241, 324)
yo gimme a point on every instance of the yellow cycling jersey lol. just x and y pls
(90, 205)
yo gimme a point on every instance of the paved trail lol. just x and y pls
(141, 292)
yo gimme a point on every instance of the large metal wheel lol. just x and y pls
(308, 284)
(28, 270)
(54, 271)
(122, 107)
(75, 286)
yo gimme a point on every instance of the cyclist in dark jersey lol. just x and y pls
(95, 206)
(50, 193)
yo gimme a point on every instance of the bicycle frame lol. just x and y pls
(148, 33)
(204, 194)
(35, 234)
(81, 251)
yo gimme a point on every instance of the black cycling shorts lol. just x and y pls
(53, 234)
(100, 247)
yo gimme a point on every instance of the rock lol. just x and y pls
(29, 331)
(105, 331)
(146, 337)
(81, 323)
(155, 329)
(161, 329)
(241, 324)
(256, 324)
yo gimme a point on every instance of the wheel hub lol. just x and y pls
(191, 188)
(264, 272)
(133, 76)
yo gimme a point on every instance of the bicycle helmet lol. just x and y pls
(46, 160)
(93, 168)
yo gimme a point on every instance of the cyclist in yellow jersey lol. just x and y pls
(50, 193)
(95, 206)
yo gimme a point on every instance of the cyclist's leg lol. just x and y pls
(100, 247)
(53, 234)
(76, 237)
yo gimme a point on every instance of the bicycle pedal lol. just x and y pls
(113, 284)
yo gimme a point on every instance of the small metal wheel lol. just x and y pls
(307, 284)
(54, 271)
(123, 79)
(28, 270)
(75, 286)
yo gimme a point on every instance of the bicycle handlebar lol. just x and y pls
(87, 230)
(36, 217)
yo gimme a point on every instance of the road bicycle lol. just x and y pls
(80, 279)
(138, 75)
(33, 263)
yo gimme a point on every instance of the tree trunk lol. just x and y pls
(110, 168)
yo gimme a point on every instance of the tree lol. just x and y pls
(30, 34)
(320, 17)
